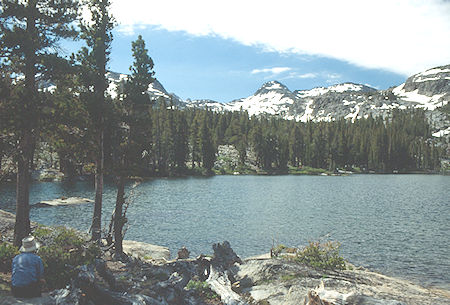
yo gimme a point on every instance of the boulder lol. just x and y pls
(146, 251)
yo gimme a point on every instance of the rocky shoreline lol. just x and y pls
(222, 278)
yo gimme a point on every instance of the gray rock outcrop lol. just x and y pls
(281, 282)
(145, 251)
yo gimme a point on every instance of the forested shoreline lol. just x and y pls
(169, 141)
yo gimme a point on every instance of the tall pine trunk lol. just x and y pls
(97, 218)
(22, 224)
(26, 142)
(118, 217)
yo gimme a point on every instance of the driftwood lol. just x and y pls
(220, 279)
(221, 284)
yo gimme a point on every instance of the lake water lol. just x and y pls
(396, 224)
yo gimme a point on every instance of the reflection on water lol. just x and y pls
(397, 224)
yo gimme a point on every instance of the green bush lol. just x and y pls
(41, 232)
(321, 256)
(62, 251)
(7, 253)
(276, 251)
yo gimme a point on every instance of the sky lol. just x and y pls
(225, 50)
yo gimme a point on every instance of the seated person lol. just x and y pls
(27, 270)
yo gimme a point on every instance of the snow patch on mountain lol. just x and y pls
(336, 88)
(442, 133)
(270, 102)
(423, 101)
(308, 114)
(273, 85)
(354, 112)
(434, 71)
(213, 105)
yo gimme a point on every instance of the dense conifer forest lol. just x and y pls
(156, 138)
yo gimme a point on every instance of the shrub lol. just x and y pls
(41, 232)
(321, 255)
(63, 250)
(7, 253)
(275, 251)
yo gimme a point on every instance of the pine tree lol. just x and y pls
(258, 144)
(194, 139)
(65, 118)
(135, 102)
(160, 150)
(295, 146)
(181, 141)
(7, 102)
(138, 104)
(94, 58)
(30, 32)
(207, 148)
(169, 137)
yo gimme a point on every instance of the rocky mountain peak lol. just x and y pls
(430, 82)
(272, 86)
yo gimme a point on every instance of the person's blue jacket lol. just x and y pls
(27, 268)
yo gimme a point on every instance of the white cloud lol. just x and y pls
(274, 71)
(295, 74)
(307, 75)
(332, 78)
(404, 36)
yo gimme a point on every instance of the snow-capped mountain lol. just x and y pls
(272, 98)
(428, 90)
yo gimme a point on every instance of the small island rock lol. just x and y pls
(63, 201)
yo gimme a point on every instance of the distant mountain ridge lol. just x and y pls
(428, 90)
(155, 90)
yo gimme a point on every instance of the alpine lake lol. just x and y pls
(398, 225)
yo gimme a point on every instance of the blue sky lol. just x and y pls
(221, 69)
(224, 50)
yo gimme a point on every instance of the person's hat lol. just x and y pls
(29, 244)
